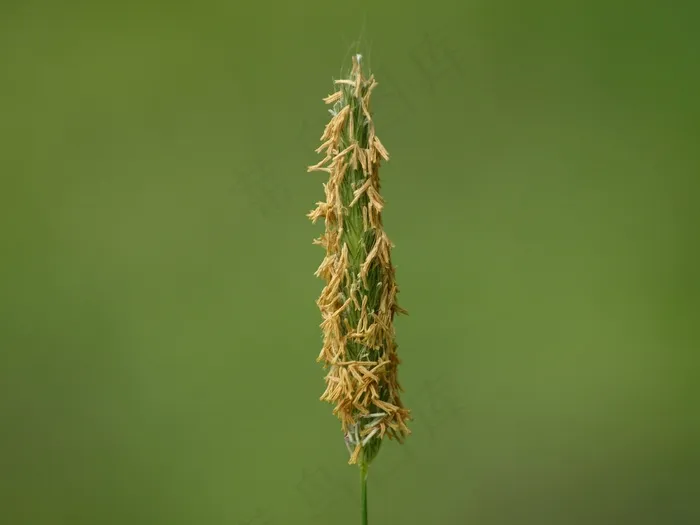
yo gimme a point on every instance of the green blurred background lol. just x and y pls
(158, 331)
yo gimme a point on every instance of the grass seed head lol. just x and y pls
(359, 301)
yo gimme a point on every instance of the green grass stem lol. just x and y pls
(363, 482)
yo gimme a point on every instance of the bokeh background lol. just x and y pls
(158, 331)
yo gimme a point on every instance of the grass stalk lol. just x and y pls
(363, 491)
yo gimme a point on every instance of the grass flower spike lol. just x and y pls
(358, 303)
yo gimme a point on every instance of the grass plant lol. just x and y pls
(359, 301)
